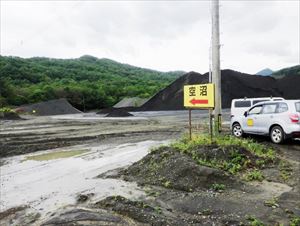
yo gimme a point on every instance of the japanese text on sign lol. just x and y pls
(199, 96)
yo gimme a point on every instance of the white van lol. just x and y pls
(239, 106)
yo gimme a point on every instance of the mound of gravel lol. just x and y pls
(9, 116)
(118, 112)
(234, 85)
(289, 85)
(51, 107)
(171, 169)
(106, 110)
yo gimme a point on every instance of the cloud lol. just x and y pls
(163, 35)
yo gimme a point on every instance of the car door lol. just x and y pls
(249, 120)
(265, 118)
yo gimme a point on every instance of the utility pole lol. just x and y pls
(216, 72)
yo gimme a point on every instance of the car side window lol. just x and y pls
(269, 109)
(282, 107)
(255, 111)
(242, 104)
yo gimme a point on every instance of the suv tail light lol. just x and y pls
(294, 118)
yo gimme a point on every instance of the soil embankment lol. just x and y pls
(208, 185)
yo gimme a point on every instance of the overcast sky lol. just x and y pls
(161, 35)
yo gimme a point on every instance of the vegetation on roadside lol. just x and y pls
(222, 141)
(87, 82)
(295, 221)
(254, 221)
(6, 110)
(254, 175)
(218, 187)
(232, 154)
(272, 202)
(285, 170)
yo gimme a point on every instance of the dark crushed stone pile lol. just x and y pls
(51, 107)
(171, 169)
(106, 110)
(289, 85)
(9, 116)
(234, 85)
(118, 113)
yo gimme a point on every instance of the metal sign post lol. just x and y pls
(190, 123)
(200, 96)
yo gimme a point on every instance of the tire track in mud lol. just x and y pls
(13, 147)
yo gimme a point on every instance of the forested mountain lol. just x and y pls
(86, 81)
(289, 71)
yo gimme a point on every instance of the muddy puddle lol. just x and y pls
(55, 155)
(52, 179)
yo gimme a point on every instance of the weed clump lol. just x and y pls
(254, 175)
(228, 153)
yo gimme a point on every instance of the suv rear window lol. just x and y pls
(297, 105)
(269, 109)
(242, 104)
(282, 107)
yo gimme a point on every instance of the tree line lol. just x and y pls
(87, 82)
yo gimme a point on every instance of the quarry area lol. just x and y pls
(203, 131)
(88, 169)
(133, 164)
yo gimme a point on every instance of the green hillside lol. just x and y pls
(295, 70)
(86, 82)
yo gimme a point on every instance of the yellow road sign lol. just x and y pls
(199, 96)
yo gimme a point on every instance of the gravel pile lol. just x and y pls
(234, 85)
(51, 107)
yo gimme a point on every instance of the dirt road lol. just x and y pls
(50, 164)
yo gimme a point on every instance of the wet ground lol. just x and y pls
(49, 164)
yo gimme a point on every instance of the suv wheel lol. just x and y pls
(237, 130)
(277, 135)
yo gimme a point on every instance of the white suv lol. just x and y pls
(278, 119)
(239, 106)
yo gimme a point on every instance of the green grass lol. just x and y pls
(55, 155)
(254, 174)
(295, 221)
(218, 187)
(254, 221)
(238, 162)
(6, 110)
(285, 170)
(272, 202)
(224, 141)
